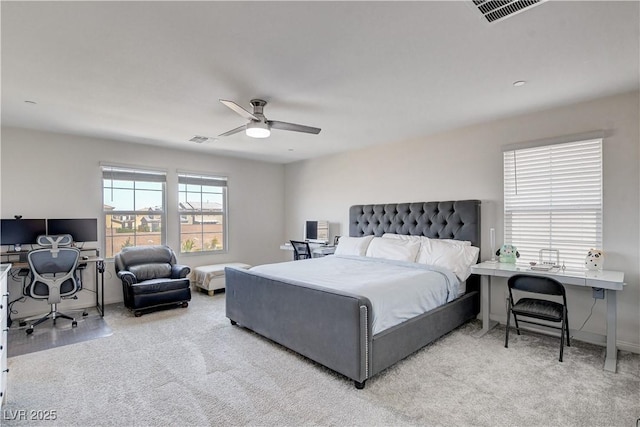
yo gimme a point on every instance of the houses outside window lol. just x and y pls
(553, 200)
(133, 207)
(202, 209)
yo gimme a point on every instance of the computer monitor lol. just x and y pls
(81, 229)
(21, 231)
(316, 231)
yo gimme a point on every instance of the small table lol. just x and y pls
(611, 281)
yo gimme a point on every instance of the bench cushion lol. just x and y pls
(212, 276)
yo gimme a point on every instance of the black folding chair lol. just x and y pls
(536, 308)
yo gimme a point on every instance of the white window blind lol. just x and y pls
(553, 200)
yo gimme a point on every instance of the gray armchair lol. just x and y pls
(151, 278)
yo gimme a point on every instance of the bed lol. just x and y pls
(336, 327)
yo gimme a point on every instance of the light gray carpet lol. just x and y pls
(191, 367)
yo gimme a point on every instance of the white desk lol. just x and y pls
(82, 263)
(612, 281)
(317, 249)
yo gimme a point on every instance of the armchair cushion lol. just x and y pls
(153, 286)
(151, 271)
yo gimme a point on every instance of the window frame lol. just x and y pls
(203, 179)
(134, 175)
(555, 198)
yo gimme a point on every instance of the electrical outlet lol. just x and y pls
(598, 293)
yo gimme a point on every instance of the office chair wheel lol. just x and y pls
(185, 304)
(29, 331)
(85, 314)
(137, 313)
(22, 323)
(74, 324)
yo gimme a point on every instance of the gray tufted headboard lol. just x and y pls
(458, 220)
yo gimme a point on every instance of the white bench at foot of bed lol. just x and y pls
(211, 278)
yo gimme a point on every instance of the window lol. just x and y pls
(553, 200)
(202, 208)
(134, 208)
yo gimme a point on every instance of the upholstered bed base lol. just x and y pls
(328, 327)
(334, 328)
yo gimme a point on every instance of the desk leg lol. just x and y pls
(485, 295)
(611, 359)
(100, 292)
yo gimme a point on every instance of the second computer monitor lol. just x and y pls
(81, 229)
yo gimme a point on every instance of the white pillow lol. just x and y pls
(425, 248)
(394, 249)
(409, 237)
(456, 242)
(353, 245)
(456, 257)
(401, 237)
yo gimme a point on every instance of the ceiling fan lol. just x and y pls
(259, 126)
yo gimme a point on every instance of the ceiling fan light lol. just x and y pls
(258, 130)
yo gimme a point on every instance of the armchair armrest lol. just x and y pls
(179, 271)
(127, 277)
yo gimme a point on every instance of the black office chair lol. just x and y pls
(301, 250)
(54, 275)
(541, 309)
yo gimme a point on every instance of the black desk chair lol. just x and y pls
(54, 275)
(541, 309)
(301, 250)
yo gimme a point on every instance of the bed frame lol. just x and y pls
(334, 328)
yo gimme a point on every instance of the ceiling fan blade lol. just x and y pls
(238, 109)
(232, 131)
(292, 126)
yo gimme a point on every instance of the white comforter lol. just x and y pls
(398, 290)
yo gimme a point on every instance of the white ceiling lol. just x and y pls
(365, 72)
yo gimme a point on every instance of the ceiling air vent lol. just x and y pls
(200, 139)
(497, 10)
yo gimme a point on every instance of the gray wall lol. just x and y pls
(467, 164)
(46, 175)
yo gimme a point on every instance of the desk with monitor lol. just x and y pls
(17, 233)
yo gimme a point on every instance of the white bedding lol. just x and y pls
(398, 290)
